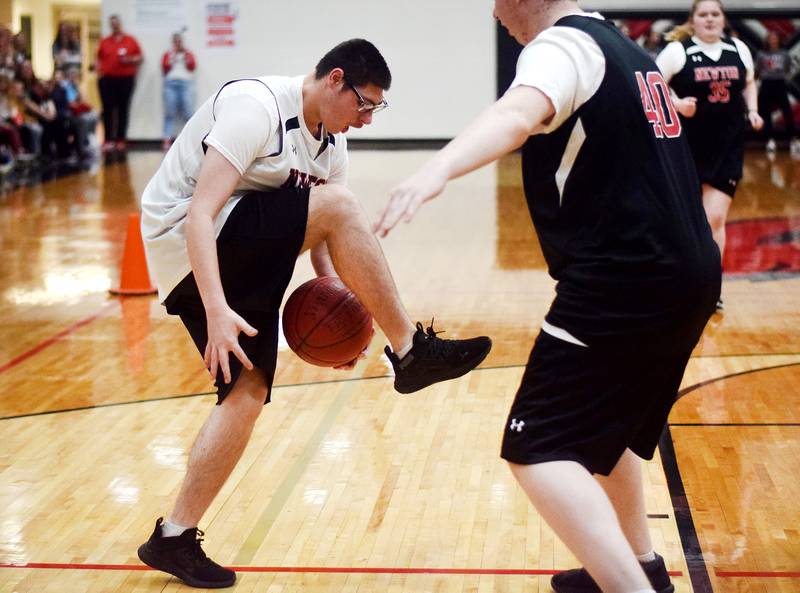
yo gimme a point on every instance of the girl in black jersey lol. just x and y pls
(712, 76)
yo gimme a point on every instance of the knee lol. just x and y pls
(716, 219)
(248, 396)
(338, 203)
(246, 405)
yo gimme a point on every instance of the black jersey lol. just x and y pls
(615, 199)
(716, 131)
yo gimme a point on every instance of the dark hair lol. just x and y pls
(361, 61)
(65, 43)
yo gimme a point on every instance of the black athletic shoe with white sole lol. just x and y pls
(578, 580)
(432, 359)
(182, 556)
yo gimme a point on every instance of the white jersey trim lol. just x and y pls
(576, 140)
(561, 334)
(672, 58)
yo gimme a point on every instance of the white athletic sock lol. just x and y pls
(645, 591)
(649, 557)
(170, 529)
(403, 351)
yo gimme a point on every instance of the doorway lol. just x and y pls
(87, 20)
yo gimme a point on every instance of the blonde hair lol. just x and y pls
(686, 30)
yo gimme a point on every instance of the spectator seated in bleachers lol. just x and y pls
(71, 106)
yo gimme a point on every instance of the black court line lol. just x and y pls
(284, 386)
(681, 393)
(698, 571)
(111, 405)
(696, 386)
(744, 355)
(736, 424)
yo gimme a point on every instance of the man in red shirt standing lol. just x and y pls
(118, 60)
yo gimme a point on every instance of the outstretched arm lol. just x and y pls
(501, 128)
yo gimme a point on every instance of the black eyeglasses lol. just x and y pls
(365, 106)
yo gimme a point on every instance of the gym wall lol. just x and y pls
(441, 54)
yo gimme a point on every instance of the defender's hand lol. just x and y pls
(406, 198)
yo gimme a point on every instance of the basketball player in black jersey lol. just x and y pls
(614, 196)
(712, 76)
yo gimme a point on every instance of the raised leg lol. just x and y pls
(336, 216)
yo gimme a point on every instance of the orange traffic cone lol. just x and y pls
(134, 279)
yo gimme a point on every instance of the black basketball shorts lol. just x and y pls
(588, 405)
(727, 174)
(719, 160)
(257, 250)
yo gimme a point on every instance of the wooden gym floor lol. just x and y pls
(347, 486)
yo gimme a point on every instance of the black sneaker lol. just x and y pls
(183, 557)
(578, 580)
(433, 359)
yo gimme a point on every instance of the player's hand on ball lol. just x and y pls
(406, 198)
(352, 364)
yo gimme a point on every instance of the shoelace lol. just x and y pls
(197, 553)
(437, 347)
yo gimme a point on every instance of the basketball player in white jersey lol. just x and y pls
(257, 176)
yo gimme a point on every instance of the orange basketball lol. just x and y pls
(325, 324)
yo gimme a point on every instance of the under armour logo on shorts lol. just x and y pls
(517, 424)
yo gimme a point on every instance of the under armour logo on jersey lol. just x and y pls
(294, 149)
(517, 425)
(697, 58)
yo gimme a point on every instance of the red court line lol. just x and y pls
(378, 570)
(311, 569)
(52, 340)
(744, 573)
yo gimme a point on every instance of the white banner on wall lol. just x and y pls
(220, 24)
(161, 15)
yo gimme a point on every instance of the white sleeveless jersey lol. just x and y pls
(258, 126)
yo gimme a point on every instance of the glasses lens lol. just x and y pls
(365, 106)
(380, 106)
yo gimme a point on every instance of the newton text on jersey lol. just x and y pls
(707, 73)
(298, 179)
